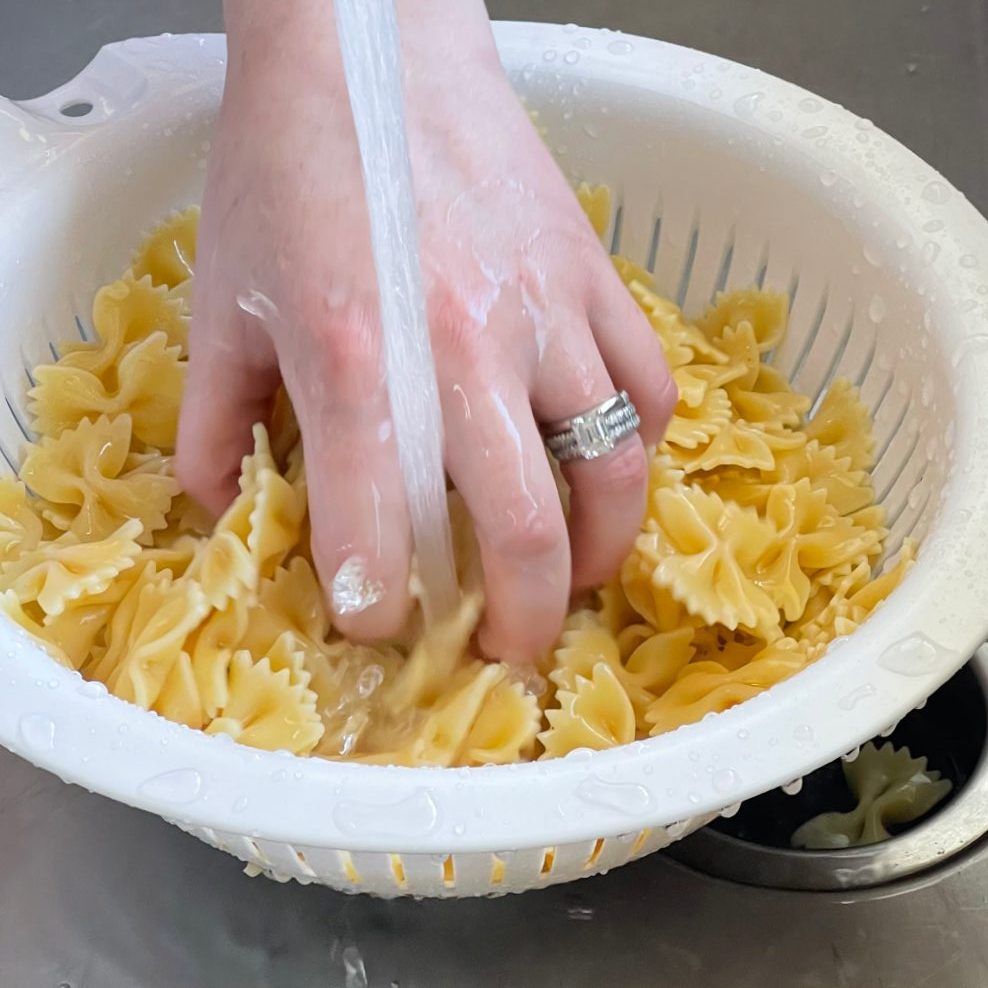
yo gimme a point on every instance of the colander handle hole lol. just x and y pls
(76, 108)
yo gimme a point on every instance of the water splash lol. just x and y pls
(368, 34)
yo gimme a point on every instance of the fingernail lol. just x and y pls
(353, 592)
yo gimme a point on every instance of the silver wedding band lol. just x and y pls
(593, 433)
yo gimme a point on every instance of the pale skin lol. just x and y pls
(529, 322)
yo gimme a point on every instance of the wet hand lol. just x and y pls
(529, 322)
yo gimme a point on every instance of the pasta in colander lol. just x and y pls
(757, 549)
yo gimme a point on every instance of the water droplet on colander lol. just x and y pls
(726, 780)
(968, 261)
(590, 130)
(916, 655)
(932, 226)
(872, 256)
(885, 732)
(936, 192)
(571, 57)
(620, 47)
(694, 798)
(678, 829)
(241, 804)
(903, 241)
(416, 814)
(580, 754)
(850, 700)
(549, 55)
(876, 309)
(746, 106)
(459, 829)
(743, 735)
(810, 105)
(621, 797)
(37, 731)
(93, 689)
(793, 788)
(968, 305)
(585, 43)
(815, 131)
(715, 93)
(852, 754)
(181, 785)
(803, 734)
(730, 811)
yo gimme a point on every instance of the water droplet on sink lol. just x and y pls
(815, 131)
(549, 55)
(181, 785)
(622, 797)
(571, 57)
(933, 226)
(930, 251)
(355, 974)
(38, 732)
(730, 811)
(876, 309)
(620, 47)
(810, 105)
(582, 913)
(241, 804)
(968, 261)
(915, 655)
(852, 754)
(793, 788)
(936, 192)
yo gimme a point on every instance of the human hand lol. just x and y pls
(529, 321)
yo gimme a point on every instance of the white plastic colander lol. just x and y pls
(724, 177)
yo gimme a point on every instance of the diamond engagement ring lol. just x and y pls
(595, 432)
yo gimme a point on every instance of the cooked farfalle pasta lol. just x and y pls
(757, 549)
(89, 483)
(892, 788)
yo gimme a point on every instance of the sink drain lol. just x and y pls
(753, 847)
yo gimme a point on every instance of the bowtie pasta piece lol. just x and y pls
(92, 484)
(891, 787)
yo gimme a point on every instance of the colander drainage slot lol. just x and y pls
(753, 846)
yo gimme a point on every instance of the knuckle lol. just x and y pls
(456, 331)
(534, 536)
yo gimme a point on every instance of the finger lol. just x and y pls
(496, 459)
(361, 539)
(607, 494)
(632, 353)
(231, 380)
